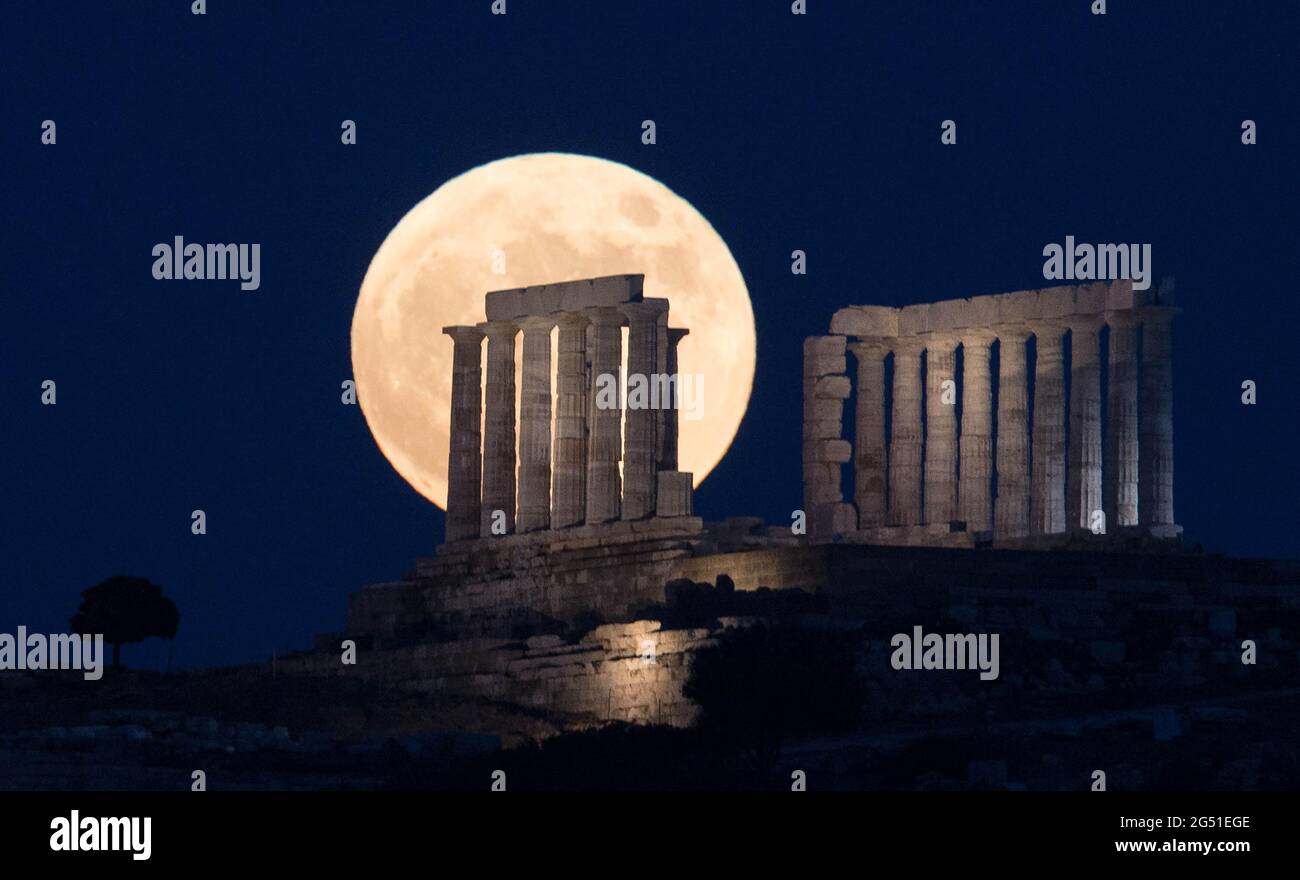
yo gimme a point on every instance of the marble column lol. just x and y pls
(569, 500)
(869, 444)
(672, 414)
(1011, 507)
(1083, 474)
(1120, 466)
(535, 426)
(905, 440)
(499, 426)
(665, 403)
(941, 430)
(1047, 498)
(639, 482)
(1156, 425)
(463, 456)
(975, 495)
(605, 421)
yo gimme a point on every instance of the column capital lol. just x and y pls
(869, 347)
(940, 340)
(464, 333)
(535, 323)
(494, 329)
(646, 310)
(675, 334)
(572, 320)
(977, 337)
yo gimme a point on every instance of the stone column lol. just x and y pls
(535, 426)
(639, 482)
(975, 495)
(1120, 467)
(605, 442)
(1156, 425)
(905, 442)
(499, 426)
(941, 430)
(869, 446)
(463, 459)
(569, 501)
(665, 401)
(825, 451)
(672, 415)
(1047, 501)
(1083, 476)
(1011, 508)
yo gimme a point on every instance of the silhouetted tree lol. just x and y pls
(760, 685)
(126, 610)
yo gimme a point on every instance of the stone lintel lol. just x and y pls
(866, 321)
(563, 296)
(649, 309)
(466, 332)
(1061, 303)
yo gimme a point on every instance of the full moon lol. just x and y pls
(537, 219)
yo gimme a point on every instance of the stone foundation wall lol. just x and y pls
(617, 672)
(539, 582)
(1078, 628)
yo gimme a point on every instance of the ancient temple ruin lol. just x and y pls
(986, 476)
(575, 481)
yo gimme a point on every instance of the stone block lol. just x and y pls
(1056, 302)
(835, 451)
(833, 519)
(823, 346)
(603, 292)
(504, 305)
(823, 355)
(830, 428)
(866, 321)
(913, 320)
(1121, 296)
(818, 471)
(827, 409)
(568, 296)
(1023, 305)
(950, 314)
(1090, 299)
(982, 311)
(674, 494)
(836, 387)
(543, 299)
(828, 365)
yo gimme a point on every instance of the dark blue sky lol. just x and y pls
(818, 132)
